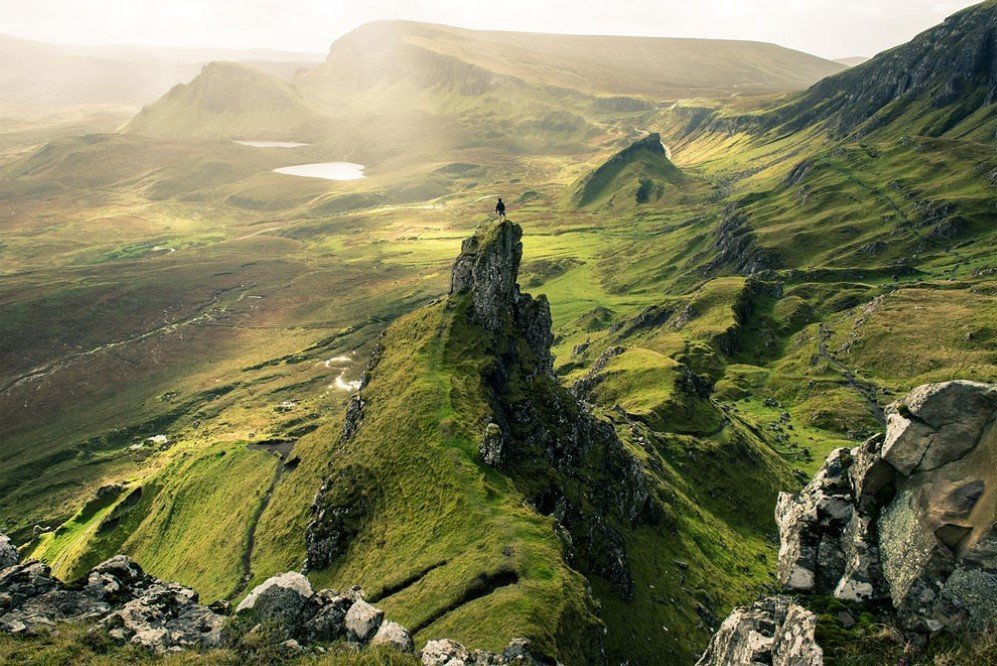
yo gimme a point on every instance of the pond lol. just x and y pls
(272, 144)
(326, 170)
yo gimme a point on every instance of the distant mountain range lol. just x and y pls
(57, 75)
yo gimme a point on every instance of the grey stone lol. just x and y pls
(811, 557)
(166, 617)
(393, 635)
(774, 630)
(362, 621)
(937, 424)
(491, 445)
(116, 595)
(8, 553)
(279, 599)
(326, 616)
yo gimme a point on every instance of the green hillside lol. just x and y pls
(185, 331)
(639, 174)
(230, 100)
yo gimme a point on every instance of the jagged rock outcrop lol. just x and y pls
(118, 597)
(828, 545)
(544, 423)
(486, 269)
(775, 631)
(912, 516)
(567, 463)
(909, 518)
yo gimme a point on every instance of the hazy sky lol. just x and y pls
(829, 28)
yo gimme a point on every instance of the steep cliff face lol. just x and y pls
(487, 269)
(951, 65)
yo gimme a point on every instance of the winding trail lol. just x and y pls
(866, 390)
(281, 452)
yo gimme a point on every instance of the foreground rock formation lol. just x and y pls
(773, 631)
(908, 519)
(117, 596)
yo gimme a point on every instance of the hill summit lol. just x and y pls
(227, 99)
(638, 174)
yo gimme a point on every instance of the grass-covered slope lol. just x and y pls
(455, 546)
(640, 173)
(228, 99)
(441, 542)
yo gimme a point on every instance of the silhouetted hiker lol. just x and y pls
(500, 209)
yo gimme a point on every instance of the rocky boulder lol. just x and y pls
(8, 553)
(279, 599)
(393, 635)
(490, 447)
(165, 617)
(774, 630)
(325, 616)
(936, 424)
(363, 621)
(938, 536)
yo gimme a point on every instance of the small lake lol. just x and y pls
(272, 144)
(326, 170)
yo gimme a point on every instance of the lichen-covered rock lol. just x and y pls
(325, 616)
(940, 525)
(118, 596)
(24, 581)
(8, 553)
(909, 516)
(393, 635)
(774, 630)
(862, 576)
(811, 523)
(165, 617)
(490, 447)
(362, 621)
(279, 599)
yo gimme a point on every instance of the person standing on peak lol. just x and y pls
(500, 209)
